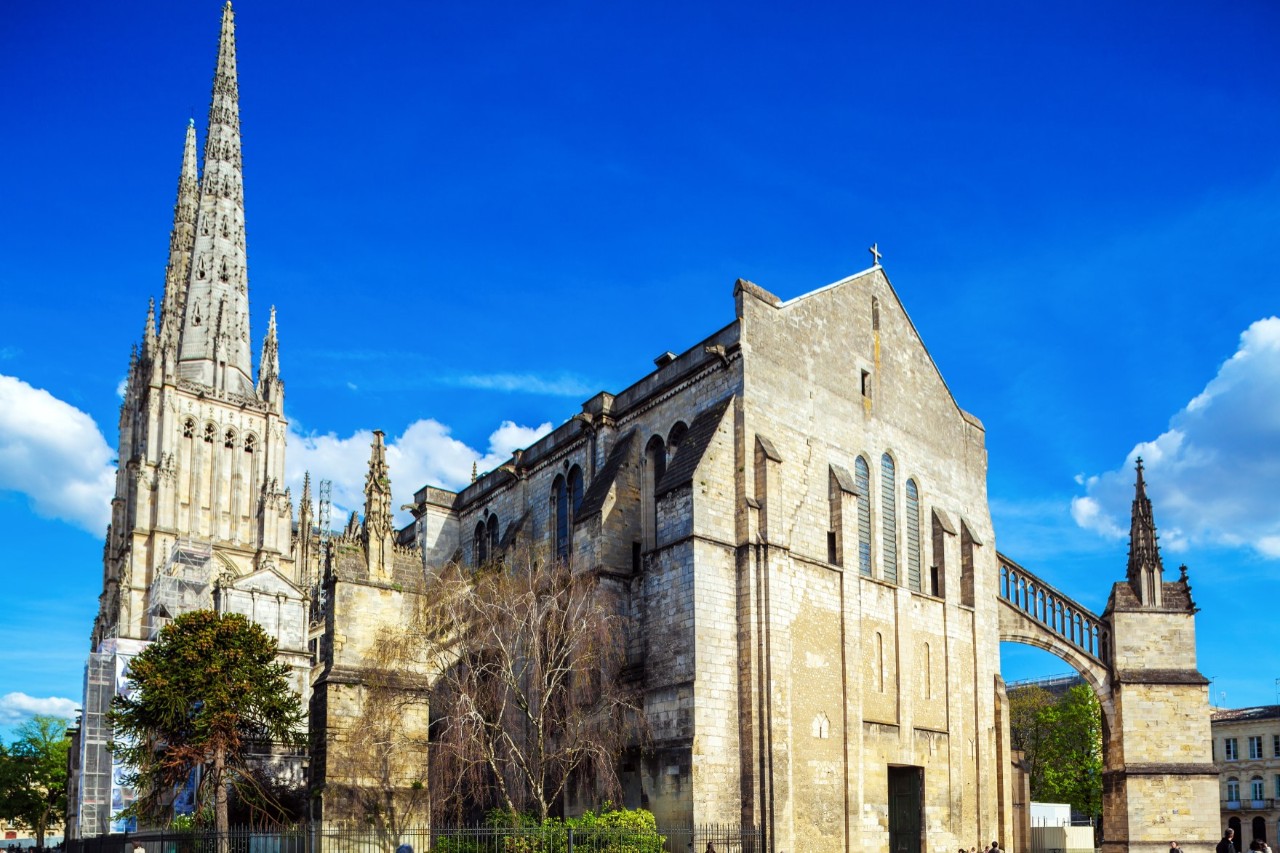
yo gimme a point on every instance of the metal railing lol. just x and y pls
(316, 838)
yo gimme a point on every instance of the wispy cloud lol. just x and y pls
(1215, 473)
(425, 453)
(54, 454)
(17, 708)
(9, 352)
(564, 385)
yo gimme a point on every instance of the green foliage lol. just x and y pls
(605, 831)
(33, 775)
(206, 690)
(1062, 741)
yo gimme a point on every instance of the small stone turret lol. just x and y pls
(270, 385)
(378, 534)
(181, 242)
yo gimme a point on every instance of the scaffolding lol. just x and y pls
(95, 736)
(184, 583)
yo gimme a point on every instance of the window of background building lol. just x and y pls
(1275, 746)
(1233, 789)
(1255, 746)
(1255, 788)
(1230, 749)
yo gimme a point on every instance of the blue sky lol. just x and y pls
(473, 216)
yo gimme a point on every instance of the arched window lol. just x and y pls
(229, 440)
(492, 536)
(862, 482)
(913, 536)
(575, 492)
(210, 432)
(1233, 789)
(655, 465)
(480, 545)
(560, 516)
(1256, 790)
(188, 428)
(675, 437)
(879, 662)
(249, 443)
(889, 515)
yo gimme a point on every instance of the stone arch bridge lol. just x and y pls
(1159, 781)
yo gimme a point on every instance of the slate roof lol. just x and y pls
(593, 500)
(1235, 715)
(696, 441)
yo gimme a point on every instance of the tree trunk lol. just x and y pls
(221, 822)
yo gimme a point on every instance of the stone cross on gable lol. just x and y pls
(875, 254)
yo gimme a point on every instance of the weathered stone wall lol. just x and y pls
(830, 376)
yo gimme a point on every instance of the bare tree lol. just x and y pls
(525, 656)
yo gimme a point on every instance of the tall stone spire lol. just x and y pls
(1146, 571)
(181, 242)
(214, 350)
(378, 533)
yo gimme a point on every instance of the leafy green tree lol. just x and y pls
(33, 775)
(208, 689)
(1061, 741)
(1072, 772)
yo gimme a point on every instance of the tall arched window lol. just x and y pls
(889, 515)
(1233, 789)
(480, 546)
(913, 536)
(1256, 789)
(879, 662)
(491, 533)
(560, 516)
(655, 465)
(862, 481)
(575, 492)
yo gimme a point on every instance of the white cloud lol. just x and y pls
(17, 708)
(1214, 474)
(425, 453)
(528, 383)
(54, 454)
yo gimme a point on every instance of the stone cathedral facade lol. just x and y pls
(794, 512)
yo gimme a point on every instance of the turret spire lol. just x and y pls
(181, 241)
(270, 385)
(218, 354)
(378, 533)
(149, 330)
(1146, 571)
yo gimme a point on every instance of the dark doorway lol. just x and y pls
(906, 794)
(1259, 829)
(1237, 840)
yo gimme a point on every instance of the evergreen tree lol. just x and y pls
(208, 689)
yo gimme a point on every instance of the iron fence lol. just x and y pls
(316, 838)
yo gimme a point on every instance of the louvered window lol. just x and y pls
(913, 536)
(862, 481)
(889, 513)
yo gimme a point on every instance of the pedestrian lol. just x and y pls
(1227, 844)
(1174, 848)
(995, 847)
(711, 848)
(138, 847)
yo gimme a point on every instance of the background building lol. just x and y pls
(1246, 747)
